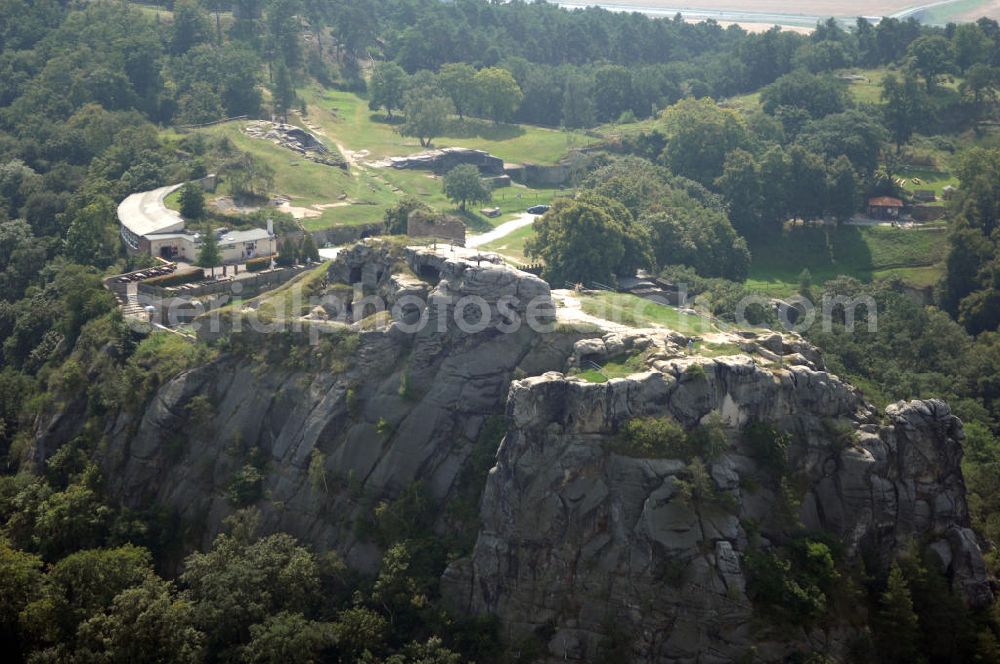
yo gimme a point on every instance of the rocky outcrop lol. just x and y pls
(579, 541)
(296, 139)
(403, 405)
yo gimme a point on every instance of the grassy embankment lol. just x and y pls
(343, 121)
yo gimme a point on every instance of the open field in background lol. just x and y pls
(343, 120)
(962, 11)
(815, 7)
(751, 13)
(869, 91)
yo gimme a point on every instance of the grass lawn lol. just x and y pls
(931, 179)
(626, 365)
(173, 200)
(638, 312)
(345, 118)
(859, 252)
(344, 121)
(869, 91)
(303, 181)
(618, 367)
(371, 190)
(513, 244)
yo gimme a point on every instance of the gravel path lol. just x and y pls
(503, 230)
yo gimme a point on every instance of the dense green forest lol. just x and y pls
(86, 89)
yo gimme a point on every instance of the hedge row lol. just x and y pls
(258, 264)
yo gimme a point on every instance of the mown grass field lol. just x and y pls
(369, 190)
(927, 179)
(345, 118)
(343, 121)
(860, 252)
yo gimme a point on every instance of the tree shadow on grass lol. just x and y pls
(851, 252)
(473, 221)
(382, 118)
(457, 128)
(474, 128)
(825, 251)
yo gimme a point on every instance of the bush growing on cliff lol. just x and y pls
(767, 444)
(410, 516)
(246, 487)
(157, 359)
(653, 437)
(776, 587)
(709, 439)
(664, 437)
(842, 434)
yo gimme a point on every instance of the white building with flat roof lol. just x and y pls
(148, 226)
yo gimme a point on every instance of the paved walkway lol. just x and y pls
(501, 231)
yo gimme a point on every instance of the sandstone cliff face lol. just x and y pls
(407, 407)
(576, 538)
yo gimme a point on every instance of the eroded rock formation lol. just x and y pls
(577, 538)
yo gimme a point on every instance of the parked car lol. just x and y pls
(538, 209)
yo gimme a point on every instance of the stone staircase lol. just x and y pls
(131, 308)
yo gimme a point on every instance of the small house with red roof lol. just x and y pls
(885, 207)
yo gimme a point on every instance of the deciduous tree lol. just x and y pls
(458, 82)
(699, 136)
(387, 87)
(497, 94)
(426, 115)
(581, 241)
(931, 56)
(463, 184)
(904, 105)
